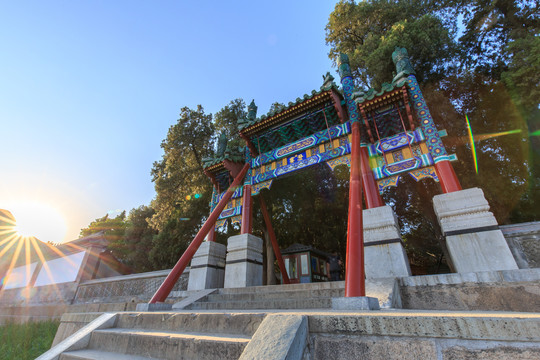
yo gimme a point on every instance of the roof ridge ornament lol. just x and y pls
(252, 111)
(404, 68)
(328, 82)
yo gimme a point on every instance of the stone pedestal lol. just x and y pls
(207, 267)
(473, 238)
(384, 255)
(244, 265)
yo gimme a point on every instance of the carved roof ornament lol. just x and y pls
(252, 111)
(328, 81)
(400, 56)
(343, 65)
(222, 145)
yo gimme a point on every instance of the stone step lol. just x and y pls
(238, 324)
(307, 303)
(267, 289)
(168, 345)
(89, 354)
(287, 294)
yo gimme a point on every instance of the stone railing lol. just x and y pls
(524, 242)
(136, 288)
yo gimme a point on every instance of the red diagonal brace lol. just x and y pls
(165, 288)
(274, 241)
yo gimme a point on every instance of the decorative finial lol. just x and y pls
(252, 111)
(343, 66)
(222, 144)
(400, 57)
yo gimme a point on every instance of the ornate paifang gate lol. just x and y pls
(375, 133)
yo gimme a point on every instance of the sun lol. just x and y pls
(39, 220)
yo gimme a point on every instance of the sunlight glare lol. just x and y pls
(39, 220)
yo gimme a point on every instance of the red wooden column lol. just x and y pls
(275, 245)
(247, 212)
(447, 177)
(165, 288)
(355, 284)
(373, 197)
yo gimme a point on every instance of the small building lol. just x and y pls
(305, 264)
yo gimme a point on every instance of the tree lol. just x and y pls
(226, 120)
(370, 30)
(180, 172)
(114, 230)
(458, 77)
(138, 238)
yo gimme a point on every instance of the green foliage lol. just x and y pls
(26, 341)
(370, 30)
(180, 171)
(138, 239)
(491, 73)
(226, 120)
(114, 230)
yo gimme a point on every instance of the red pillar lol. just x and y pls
(355, 284)
(247, 205)
(165, 288)
(212, 234)
(447, 177)
(371, 190)
(275, 246)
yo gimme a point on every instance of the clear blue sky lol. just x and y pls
(88, 89)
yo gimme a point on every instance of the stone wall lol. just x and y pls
(134, 288)
(524, 242)
(505, 290)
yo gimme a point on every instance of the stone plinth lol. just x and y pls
(207, 267)
(473, 238)
(355, 303)
(244, 261)
(384, 254)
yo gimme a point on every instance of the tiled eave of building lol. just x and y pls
(291, 112)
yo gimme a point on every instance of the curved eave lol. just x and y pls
(289, 113)
(387, 95)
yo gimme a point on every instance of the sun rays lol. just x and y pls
(30, 263)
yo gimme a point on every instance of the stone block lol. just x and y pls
(496, 353)
(355, 303)
(207, 269)
(244, 261)
(358, 347)
(473, 238)
(480, 251)
(278, 337)
(384, 254)
(463, 210)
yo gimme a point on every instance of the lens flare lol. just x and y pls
(473, 148)
(535, 133)
(489, 136)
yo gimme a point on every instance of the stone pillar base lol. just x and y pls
(244, 261)
(207, 267)
(384, 255)
(473, 238)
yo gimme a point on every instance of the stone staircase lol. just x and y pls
(170, 336)
(294, 296)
